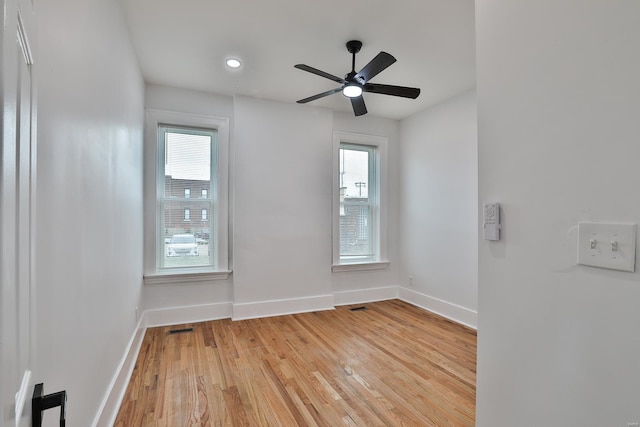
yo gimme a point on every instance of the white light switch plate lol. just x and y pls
(606, 245)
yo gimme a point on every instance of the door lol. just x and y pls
(17, 222)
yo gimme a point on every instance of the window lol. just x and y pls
(191, 154)
(359, 215)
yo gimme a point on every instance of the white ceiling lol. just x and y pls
(184, 43)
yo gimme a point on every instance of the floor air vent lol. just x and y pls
(180, 331)
(358, 308)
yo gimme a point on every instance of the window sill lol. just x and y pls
(374, 265)
(173, 277)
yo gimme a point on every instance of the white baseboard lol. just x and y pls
(186, 314)
(108, 410)
(365, 295)
(282, 307)
(443, 308)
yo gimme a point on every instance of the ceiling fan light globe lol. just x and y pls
(352, 91)
(233, 63)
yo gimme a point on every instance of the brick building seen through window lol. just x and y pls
(185, 213)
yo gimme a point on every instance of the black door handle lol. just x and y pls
(40, 403)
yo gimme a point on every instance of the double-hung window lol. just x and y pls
(359, 213)
(190, 159)
(190, 233)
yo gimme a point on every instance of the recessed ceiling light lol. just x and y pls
(233, 63)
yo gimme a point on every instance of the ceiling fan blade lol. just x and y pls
(405, 92)
(320, 95)
(359, 109)
(320, 73)
(375, 66)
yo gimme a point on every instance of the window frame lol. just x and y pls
(378, 200)
(154, 152)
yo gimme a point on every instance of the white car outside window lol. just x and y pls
(182, 245)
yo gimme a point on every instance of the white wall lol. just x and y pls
(282, 192)
(89, 200)
(559, 142)
(188, 101)
(439, 181)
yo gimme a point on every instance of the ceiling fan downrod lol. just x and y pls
(354, 46)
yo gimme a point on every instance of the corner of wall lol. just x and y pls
(454, 312)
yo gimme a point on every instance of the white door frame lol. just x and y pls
(17, 213)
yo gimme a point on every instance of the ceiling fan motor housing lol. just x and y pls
(354, 46)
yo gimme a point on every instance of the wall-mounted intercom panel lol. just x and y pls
(491, 221)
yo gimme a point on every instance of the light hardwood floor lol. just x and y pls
(390, 365)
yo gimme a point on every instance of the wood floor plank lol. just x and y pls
(391, 364)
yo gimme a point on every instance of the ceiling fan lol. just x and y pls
(354, 84)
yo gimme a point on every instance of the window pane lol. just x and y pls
(186, 236)
(354, 173)
(355, 233)
(187, 163)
